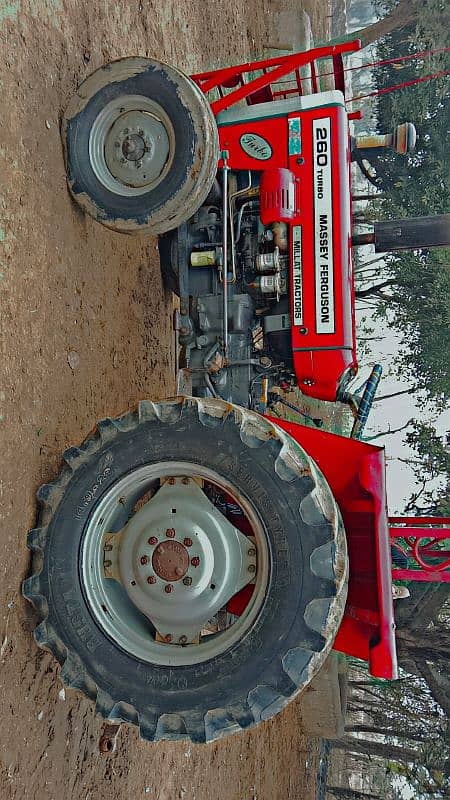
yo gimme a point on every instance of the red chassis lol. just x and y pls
(293, 129)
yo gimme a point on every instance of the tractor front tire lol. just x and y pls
(141, 146)
(108, 650)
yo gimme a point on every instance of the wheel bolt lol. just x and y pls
(168, 588)
(107, 563)
(185, 481)
(187, 542)
(170, 533)
(168, 637)
(251, 551)
(195, 561)
(187, 581)
(182, 639)
(171, 481)
(144, 560)
(117, 144)
(252, 568)
(151, 579)
(125, 130)
(153, 540)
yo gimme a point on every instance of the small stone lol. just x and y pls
(48, 124)
(62, 694)
(40, 716)
(73, 359)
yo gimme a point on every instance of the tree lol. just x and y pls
(398, 15)
(431, 461)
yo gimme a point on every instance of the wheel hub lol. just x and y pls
(180, 580)
(170, 560)
(131, 145)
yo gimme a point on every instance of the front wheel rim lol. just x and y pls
(111, 606)
(131, 145)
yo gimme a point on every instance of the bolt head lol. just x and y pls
(195, 561)
(182, 639)
(171, 481)
(140, 132)
(187, 581)
(168, 588)
(144, 560)
(252, 568)
(168, 637)
(152, 540)
(125, 130)
(187, 542)
(185, 481)
(151, 579)
(170, 533)
(107, 563)
(251, 551)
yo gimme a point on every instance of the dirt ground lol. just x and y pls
(86, 331)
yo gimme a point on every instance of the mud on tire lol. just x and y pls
(305, 596)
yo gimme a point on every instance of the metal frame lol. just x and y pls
(419, 539)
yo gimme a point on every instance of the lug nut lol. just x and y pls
(171, 481)
(185, 481)
(151, 579)
(168, 637)
(153, 540)
(187, 542)
(252, 568)
(182, 639)
(107, 563)
(251, 551)
(187, 581)
(168, 588)
(195, 561)
(170, 533)
(144, 560)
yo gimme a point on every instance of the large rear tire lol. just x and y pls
(141, 146)
(261, 656)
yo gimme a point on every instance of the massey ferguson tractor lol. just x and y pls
(197, 558)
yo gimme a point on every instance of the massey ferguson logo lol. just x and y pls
(323, 226)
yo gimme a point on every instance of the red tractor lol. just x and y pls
(196, 559)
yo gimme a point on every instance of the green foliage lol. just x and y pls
(432, 461)
(416, 185)
(418, 305)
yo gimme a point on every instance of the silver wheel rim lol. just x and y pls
(111, 605)
(131, 145)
